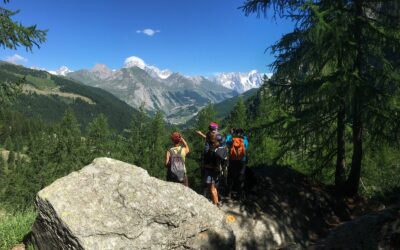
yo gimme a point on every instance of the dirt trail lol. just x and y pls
(282, 209)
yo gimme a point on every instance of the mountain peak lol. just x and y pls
(154, 71)
(101, 71)
(100, 67)
(134, 61)
(240, 82)
(62, 71)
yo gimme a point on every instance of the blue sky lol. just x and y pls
(187, 36)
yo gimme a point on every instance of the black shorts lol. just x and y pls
(211, 176)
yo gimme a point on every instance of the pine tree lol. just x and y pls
(99, 137)
(238, 116)
(206, 115)
(11, 160)
(336, 70)
(15, 34)
(157, 145)
(68, 152)
(2, 174)
(138, 143)
(8, 144)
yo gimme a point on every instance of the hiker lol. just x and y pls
(229, 136)
(175, 160)
(238, 145)
(212, 129)
(214, 159)
(212, 165)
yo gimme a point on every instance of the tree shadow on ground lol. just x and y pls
(282, 208)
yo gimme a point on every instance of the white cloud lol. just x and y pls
(148, 32)
(16, 59)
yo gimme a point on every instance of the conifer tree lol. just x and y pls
(206, 115)
(2, 174)
(157, 145)
(11, 160)
(99, 137)
(336, 69)
(238, 116)
(8, 144)
(138, 142)
(68, 152)
(13, 35)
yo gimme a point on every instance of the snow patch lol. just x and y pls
(240, 82)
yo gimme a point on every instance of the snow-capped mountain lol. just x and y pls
(240, 82)
(134, 61)
(179, 97)
(62, 71)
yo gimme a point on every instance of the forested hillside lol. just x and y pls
(47, 97)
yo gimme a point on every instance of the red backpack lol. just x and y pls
(237, 151)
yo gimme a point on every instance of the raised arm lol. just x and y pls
(201, 134)
(186, 145)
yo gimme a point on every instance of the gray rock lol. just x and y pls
(110, 204)
(379, 230)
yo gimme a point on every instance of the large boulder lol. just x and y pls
(378, 230)
(110, 204)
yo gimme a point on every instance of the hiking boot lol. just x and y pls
(234, 195)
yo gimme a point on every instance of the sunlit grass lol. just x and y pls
(14, 226)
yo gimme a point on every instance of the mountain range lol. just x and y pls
(178, 96)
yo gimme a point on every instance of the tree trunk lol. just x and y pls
(355, 171)
(341, 153)
(340, 177)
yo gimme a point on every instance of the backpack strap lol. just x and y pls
(172, 151)
(180, 150)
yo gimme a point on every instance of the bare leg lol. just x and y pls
(214, 193)
(186, 181)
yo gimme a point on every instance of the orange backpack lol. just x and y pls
(237, 151)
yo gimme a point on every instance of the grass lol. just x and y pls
(14, 227)
(29, 89)
(41, 83)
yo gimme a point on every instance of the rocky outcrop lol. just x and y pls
(379, 230)
(113, 205)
